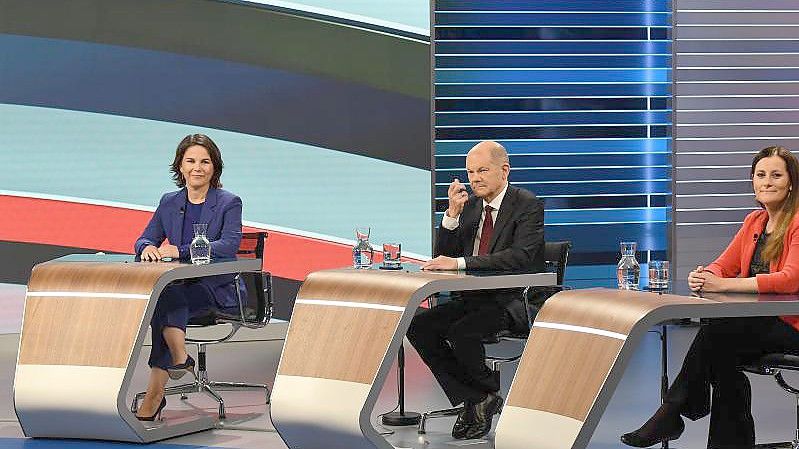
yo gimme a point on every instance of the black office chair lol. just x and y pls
(556, 256)
(254, 312)
(773, 364)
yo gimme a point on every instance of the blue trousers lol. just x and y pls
(177, 303)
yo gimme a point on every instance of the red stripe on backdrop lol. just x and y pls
(115, 229)
(73, 224)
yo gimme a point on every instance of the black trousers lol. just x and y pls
(449, 338)
(714, 360)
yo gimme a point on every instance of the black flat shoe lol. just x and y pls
(484, 412)
(155, 415)
(179, 370)
(655, 431)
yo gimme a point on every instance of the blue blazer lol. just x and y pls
(222, 212)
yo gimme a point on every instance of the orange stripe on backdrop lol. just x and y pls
(115, 229)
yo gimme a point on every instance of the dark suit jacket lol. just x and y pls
(222, 212)
(517, 243)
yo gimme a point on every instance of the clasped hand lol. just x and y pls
(701, 279)
(153, 254)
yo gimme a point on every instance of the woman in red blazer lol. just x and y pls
(763, 257)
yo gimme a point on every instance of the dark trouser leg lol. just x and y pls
(176, 304)
(466, 338)
(427, 333)
(714, 360)
(449, 340)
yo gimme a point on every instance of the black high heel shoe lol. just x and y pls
(179, 370)
(664, 425)
(155, 415)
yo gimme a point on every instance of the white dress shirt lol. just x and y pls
(452, 223)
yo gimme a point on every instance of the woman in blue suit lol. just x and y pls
(197, 168)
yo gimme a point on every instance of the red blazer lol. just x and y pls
(784, 273)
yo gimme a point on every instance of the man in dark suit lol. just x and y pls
(500, 227)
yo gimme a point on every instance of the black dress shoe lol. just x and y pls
(484, 412)
(465, 419)
(662, 426)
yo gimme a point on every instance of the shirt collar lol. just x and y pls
(496, 202)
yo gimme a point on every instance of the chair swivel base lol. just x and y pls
(210, 388)
(401, 419)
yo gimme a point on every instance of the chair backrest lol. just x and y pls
(556, 255)
(252, 245)
(258, 303)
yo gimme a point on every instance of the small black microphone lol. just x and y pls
(182, 211)
(756, 236)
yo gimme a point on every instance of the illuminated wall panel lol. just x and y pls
(736, 86)
(578, 92)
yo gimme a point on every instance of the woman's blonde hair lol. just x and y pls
(774, 246)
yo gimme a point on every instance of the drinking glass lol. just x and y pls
(391, 256)
(659, 275)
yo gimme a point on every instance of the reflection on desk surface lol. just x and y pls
(748, 297)
(123, 258)
(409, 267)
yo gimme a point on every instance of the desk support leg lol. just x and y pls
(401, 418)
(664, 366)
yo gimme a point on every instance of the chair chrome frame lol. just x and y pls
(202, 383)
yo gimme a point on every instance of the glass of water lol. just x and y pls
(391, 256)
(659, 275)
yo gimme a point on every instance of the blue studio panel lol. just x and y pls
(579, 94)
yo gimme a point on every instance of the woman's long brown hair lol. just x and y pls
(774, 246)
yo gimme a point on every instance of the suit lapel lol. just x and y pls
(208, 207)
(505, 211)
(178, 213)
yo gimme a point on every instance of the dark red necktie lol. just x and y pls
(485, 234)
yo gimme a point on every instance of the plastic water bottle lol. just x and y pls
(362, 252)
(628, 270)
(200, 248)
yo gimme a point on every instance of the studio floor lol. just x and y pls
(253, 357)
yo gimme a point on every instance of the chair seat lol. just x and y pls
(213, 317)
(779, 361)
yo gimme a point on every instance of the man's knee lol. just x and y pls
(420, 325)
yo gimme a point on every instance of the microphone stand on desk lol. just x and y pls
(401, 418)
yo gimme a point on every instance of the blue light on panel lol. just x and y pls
(579, 94)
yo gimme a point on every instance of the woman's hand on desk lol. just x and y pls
(706, 281)
(696, 281)
(153, 254)
(701, 279)
(169, 251)
(150, 254)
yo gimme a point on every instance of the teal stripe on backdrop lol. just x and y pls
(415, 13)
(292, 185)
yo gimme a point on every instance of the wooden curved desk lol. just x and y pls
(577, 352)
(345, 331)
(85, 320)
